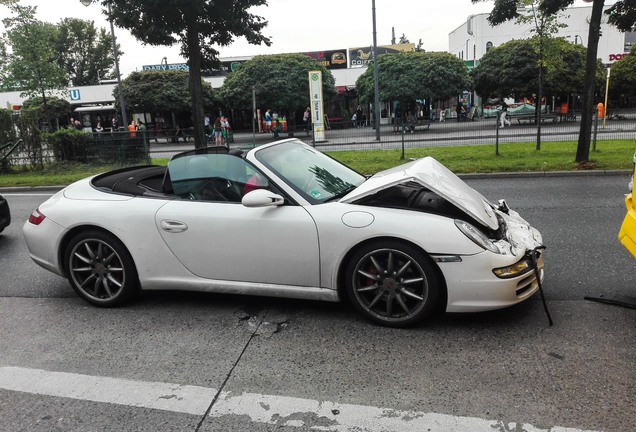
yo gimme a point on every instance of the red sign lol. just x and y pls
(615, 57)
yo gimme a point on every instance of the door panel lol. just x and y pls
(227, 241)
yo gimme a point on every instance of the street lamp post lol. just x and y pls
(122, 105)
(376, 87)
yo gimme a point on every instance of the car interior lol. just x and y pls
(203, 174)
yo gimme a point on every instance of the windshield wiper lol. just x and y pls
(341, 194)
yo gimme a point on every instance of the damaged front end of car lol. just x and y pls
(511, 267)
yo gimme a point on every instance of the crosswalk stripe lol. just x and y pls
(268, 409)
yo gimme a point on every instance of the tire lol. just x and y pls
(100, 269)
(392, 284)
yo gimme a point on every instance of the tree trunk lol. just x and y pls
(583, 148)
(194, 49)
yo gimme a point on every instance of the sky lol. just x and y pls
(299, 25)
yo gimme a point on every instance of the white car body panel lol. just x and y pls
(227, 241)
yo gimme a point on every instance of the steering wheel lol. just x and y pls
(207, 191)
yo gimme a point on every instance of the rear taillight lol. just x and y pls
(36, 217)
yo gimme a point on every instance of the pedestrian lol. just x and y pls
(206, 124)
(113, 124)
(225, 125)
(275, 128)
(268, 121)
(158, 126)
(503, 120)
(218, 131)
(98, 128)
(78, 125)
(306, 116)
(359, 115)
(410, 121)
(141, 126)
(460, 110)
(131, 129)
(397, 119)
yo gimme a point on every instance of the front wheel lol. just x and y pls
(392, 284)
(100, 269)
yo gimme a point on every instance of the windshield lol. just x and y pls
(312, 174)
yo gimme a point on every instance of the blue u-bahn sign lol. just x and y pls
(74, 94)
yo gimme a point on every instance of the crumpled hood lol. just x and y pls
(436, 177)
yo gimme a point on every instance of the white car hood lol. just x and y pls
(433, 175)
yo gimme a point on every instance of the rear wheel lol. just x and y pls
(392, 283)
(100, 269)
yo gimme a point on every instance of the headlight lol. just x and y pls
(478, 237)
(516, 269)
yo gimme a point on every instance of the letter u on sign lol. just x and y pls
(74, 94)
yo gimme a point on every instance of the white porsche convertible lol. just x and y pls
(286, 220)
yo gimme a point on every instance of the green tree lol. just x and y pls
(512, 69)
(544, 26)
(31, 63)
(623, 78)
(57, 108)
(84, 52)
(416, 75)
(622, 14)
(281, 81)
(198, 26)
(162, 91)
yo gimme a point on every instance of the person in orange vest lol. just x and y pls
(131, 129)
(600, 110)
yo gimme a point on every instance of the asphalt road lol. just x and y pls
(187, 362)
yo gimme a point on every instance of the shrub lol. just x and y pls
(69, 145)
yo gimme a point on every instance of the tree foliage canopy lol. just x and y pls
(281, 82)
(623, 76)
(512, 69)
(415, 75)
(161, 91)
(56, 108)
(198, 26)
(85, 53)
(30, 66)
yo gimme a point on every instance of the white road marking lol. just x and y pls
(9, 194)
(156, 395)
(268, 409)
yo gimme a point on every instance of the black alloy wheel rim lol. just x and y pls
(390, 285)
(97, 269)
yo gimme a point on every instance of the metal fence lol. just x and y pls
(347, 136)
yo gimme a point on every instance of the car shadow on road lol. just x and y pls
(526, 313)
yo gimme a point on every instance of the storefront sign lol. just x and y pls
(167, 67)
(616, 57)
(333, 59)
(226, 68)
(315, 103)
(359, 57)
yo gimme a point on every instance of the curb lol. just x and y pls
(499, 175)
(589, 173)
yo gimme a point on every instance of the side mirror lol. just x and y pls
(262, 198)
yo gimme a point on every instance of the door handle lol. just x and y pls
(173, 226)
